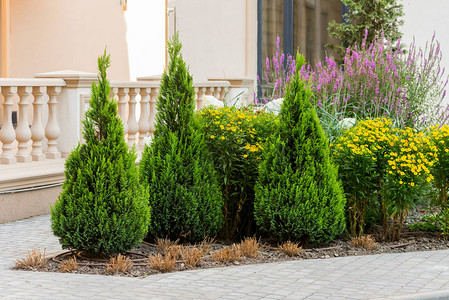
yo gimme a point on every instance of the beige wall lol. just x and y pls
(51, 35)
(219, 37)
(423, 18)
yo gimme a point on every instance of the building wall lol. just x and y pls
(51, 35)
(146, 37)
(422, 19)
(219, 37)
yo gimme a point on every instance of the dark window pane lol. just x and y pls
(272, 26)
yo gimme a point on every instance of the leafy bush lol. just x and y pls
(184, 193)
(102, 209)
(375, 17)
(427, 223)
(377, 159)
(298, 195)
(235, 138)
(440, 170)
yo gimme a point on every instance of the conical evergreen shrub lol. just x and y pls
(184, 196)
(298, 195)
(102, 208)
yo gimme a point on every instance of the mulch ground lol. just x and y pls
(268, 252)
(410, 241)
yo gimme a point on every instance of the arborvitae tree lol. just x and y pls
(298, 195)
(184, 194)
(376, 17)
(102, 208)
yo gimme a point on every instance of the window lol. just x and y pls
(300, 24)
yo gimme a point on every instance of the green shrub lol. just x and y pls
(298, 195)
(440, 171)
(102, 209)
(235, 138)
(427, 223)
(366, 18)
(184, 194)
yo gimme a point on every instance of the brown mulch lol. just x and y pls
(410, 241)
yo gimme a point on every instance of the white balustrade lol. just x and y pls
(200, 92)
(47, 111)
(122, 102)
(52, 130)
(37, 128)
(7, 133)
(133, 126)
(217, 89)
(144, 122)
(23, 132)
(29, 139)
(153, 100)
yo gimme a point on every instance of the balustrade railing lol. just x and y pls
(50, 109)
(137, 105)
(35, 102)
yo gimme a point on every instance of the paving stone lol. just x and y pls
(356, 277)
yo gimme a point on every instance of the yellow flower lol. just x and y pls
(412, 183)
(212, 136)
(222, 137)
(245, 155)
(400, 182)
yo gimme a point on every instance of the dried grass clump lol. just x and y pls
(290, 249)
(250, 247)
(34, 259)
(174, 251)
(206, 245)
(162, 245)
(191, 256)
(364, 241)
(227, 254)
(69, 265)
(159, 263)
(119, 264)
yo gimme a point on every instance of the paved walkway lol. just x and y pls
(418, 275)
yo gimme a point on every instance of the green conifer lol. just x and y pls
(373, 16)
(298, 195)
(184, 196)
(102, 208)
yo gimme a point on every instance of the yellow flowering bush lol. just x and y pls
(440, 170)
(393, 164)
(361, 155)
(409, 162)
(236, 138)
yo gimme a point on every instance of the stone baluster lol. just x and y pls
(133, 126)
(153, 100)
(122, 93)
(144, 124)
(197, 97)
(37, 128)
(217, 92)
(52, 130)
(200, 97)
(223, 93)
(7, 133)
(23, 132)
(211, 91)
